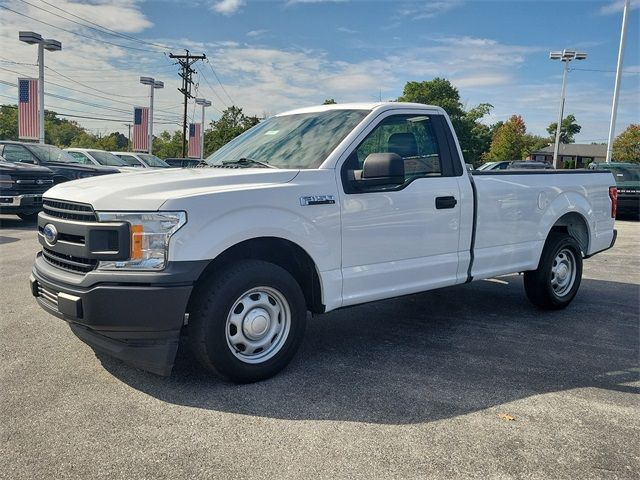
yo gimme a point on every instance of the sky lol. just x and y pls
(268, 56)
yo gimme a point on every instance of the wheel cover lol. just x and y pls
(563, 272)
(258, 325)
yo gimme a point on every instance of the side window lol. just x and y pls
(412, 137)
(17, 153)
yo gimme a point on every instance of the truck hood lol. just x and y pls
(14, 168)
(149, 189)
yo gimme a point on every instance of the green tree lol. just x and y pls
(168, 145)
(568, 130)
(626, 146)
(533, 143)
(329, 101)
(509, 140)
(474, 136)
(8, 122)
(232, 123)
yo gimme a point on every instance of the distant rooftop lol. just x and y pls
(576, 150)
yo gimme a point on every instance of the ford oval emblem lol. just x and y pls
(50, 233)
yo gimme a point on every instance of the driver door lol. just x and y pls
(400, 239)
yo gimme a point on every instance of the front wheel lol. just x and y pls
(247, 321)
(556, 280)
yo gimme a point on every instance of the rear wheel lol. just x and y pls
(555, 282)
(247, 321)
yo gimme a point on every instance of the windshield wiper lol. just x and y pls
(247, 161)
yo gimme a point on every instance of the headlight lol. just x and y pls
(6, 181)
(150, 233)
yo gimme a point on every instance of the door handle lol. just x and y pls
(446, 202)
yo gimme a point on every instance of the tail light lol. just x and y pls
(613, 195)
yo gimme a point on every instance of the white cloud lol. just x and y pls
(347, 30)
(227, 7)
(617, 6)
(257, 33)
(429, 9)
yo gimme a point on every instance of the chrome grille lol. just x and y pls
(68, 262)
(69, 211)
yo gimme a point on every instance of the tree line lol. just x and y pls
(480, 143)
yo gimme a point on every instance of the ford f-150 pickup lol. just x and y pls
(309, 211)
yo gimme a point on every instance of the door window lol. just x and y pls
(412, 137)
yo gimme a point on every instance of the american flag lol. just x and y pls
(28, 127)
(194, 140)
(141, 129)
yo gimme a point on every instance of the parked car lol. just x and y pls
(63, 165)
(627, 177)
(529, 165)
(375, 203)
(184, 162)
(21, 188)
(503, 165)
(92, 156)
(141, 160)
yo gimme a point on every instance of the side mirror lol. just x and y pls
(381, 169)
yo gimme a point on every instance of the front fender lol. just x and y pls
(318, 236)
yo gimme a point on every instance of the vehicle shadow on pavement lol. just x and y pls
(16, 223)
(429, 356)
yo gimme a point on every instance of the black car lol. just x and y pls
(63, 165)
(21, 188)
(184, 162)
(627, 176)
(529, 165)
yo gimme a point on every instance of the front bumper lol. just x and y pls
(136, 318)
(28, 202)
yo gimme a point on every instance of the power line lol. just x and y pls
(604, 71)
(218, 79)
(79, 34)
(94, 89)
(106, 30)
(61, 114)
(204, 77)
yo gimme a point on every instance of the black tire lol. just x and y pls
(210, 333)
(28, 217)
(546, 287)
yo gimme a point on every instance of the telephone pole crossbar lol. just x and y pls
(185, 62)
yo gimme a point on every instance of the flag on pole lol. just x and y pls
(194, 140)
(141, 129)
(28, 126)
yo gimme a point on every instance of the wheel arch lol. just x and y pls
(576, 226)
(278, 251)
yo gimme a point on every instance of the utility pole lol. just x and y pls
(185, 62)
(128, 137)
(616, 88)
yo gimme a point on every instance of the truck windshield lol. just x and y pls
(301, 140)
(51, 153)
(106, 158)
(153, 161)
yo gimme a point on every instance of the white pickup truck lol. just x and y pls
(309, 211)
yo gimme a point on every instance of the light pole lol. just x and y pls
(565, 56)
(153, 84)
(616, 88)
(204, 103)
(43, 44)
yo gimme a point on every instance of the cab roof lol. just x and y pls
(379, 106)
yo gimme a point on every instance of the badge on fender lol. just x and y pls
(317, 200)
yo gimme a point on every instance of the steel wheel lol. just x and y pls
(563, 272)
(258, 325)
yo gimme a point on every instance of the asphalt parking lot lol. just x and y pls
(470, 381)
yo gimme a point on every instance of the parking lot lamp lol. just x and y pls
(564, 56)
(43, 44)
(153, 84)
(204, 103)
